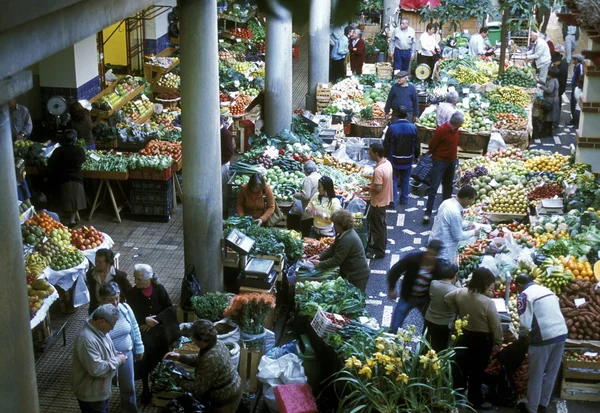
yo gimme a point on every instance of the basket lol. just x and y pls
(169, 104)
(106, 145)
(367, 131)
(469, 141)
(322, 325)
(424, 133)
(369, 69)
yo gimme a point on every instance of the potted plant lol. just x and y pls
(248, 311)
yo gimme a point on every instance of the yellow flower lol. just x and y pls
(453, 337)
(389, 369)
(380, 346)
(398, 362)
(431, 353)
(370, 362)
(353, 362)
(366, 371)
(379, 356)
(424, 360)
(436, 366)
(402, 377)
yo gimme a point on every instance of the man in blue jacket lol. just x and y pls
(404, 94)
(542, 320)
(402, 149)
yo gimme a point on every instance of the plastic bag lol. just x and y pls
(496, 142)
(109, 76)
(287, 369)
(190, 287)
(341, 155)
(354, 147)
(295, 398)
(280, 351)
(231, 337)
(297, 208)
(490, 263)
(357, 205)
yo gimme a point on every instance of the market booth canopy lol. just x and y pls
(418, 4)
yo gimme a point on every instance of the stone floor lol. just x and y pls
(161, 246)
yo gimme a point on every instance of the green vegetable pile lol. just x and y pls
(210, 306)
(506, 108)
(334, 296)
(517, 76)
(158, 162)
(105, 161)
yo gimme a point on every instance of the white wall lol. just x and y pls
(159, 26)
(86, 60)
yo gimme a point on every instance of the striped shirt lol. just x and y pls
(121, 334)
(422, 283)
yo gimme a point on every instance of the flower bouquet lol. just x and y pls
(248, 311)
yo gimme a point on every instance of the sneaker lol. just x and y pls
(425, 220)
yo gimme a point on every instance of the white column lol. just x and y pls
(18, 386)
(318, 64)
(278, 71)
(202, 205)
(389, 8)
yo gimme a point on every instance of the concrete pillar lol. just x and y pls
(278, 71)
(202, 203)
(18, 386)
(318, 63)
(389, 8)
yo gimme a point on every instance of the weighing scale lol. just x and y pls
(254, 272)
(57, 106)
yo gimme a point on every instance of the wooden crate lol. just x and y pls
(462, 154)
(581, 370)
(369, 69)
(577, 390)
(153, 73)
(99, 114)
(384, 70)
(270, 318)
(184, 316)
(248, 368)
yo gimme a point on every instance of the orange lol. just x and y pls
(576, 272)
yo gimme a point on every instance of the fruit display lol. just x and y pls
(514, 313)
(469, 76)
(156, 147)
(582, 356)
(479, 120)
(509, 153)
(86, 238)
(45, 222)
(507, 108)
(170, 80)
(49, 248)
(581, 270)
(510, 121)
(517, 76)
(123, 89)
(545, 191)
(37, 291)
(582, 318)
(554, 276)
(32, 234)
(35, 264)
(137, 109)
(429, 119)
(61, 236)
(552, 163)
(284, 183)
(67, 259)
(30, 152)
(163, 62)
(509, 199)
(241, 32)
(164, 119)
(315, 247)
(239, 104)
(509, 94)
(24, 206)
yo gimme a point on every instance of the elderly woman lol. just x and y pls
(217, 381)
(358, 53)
(81, 121)
(347, 252)
(321, 206)
(256, 200)
(551, 97)
(154, 314)
(480, 337)
(104, 271)
(127, 339)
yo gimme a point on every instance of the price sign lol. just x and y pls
(450, 88)
(589, 354)
(238, 40)
(377, 85)
(466, 90)
(579, 302)
(94, 157)
(221, 41)
(338, 317)
(360, 87)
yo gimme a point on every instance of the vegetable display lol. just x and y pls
(334, 296)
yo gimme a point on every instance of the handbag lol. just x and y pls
(275, 217)
(546, 106)
(190, 287)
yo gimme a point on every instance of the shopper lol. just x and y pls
(577, 73)
(552, 115)
(428, 48)
(477, 45)
(443, 147)
(20, 121)
(358, 54)
(449, 226)
(95, 361)
(381, 197)
(481, 337)
(346, 252)
(65, 167)
(439, 317)
(540, 54)
(577, 96)
(571, 36)
(404, 94)
(339, 50)
(310, 187)
(256, 200)
(127, 339)
(402, 46)
(419, 269)
(541, 319)
(321, 207)
(227, 151)
(563, 74)
(81, 121)
(446, 109)
(217, 381)
(104, 271)
(155, 316)
(402, 147)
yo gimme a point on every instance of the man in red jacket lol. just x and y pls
(443, 147)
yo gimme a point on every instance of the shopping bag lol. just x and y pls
(423, 171)
(190, 287)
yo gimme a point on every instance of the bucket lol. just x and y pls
(310, 361)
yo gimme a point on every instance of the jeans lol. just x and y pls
(402, 175)
(576, 116)
(442, 172)
(471, 363)
(378, 232)
(94, 407)
(544, 362)
(127, 384)
(403, 308)
(402, 59)
(543, 72)
(570, 45)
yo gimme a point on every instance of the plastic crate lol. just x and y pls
(152, 210)
(152, 197)
(150, 185)
(322, 325)
(151, 174)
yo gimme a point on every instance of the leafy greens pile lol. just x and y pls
(334, 296)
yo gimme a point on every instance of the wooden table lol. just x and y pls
(105, 179)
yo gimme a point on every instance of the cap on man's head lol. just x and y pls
(578, 57)
(401, 73)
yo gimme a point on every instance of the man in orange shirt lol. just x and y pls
(381, 196)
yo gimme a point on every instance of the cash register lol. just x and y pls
(254, 272)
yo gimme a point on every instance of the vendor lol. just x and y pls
(20, 121)
(321, 206)
(347, 252)
(480, 337)
(65, 165)
(256, 200)
(217, 380)
(310, 187)
(104, 271)
(81, 121)
(404, 94)
(477, 43)
(446, 109)
(540, 54)
(429, 47)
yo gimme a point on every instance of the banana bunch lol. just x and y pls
(36, 263)
(511, 94)
(535, 272)
(554, 275)
(469, 76)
